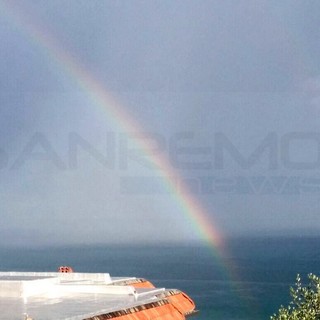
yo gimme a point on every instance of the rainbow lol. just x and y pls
(190, 206)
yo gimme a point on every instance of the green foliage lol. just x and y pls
(305, 304)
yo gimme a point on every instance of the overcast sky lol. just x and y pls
(228, 91)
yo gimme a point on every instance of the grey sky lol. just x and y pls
(241, 73)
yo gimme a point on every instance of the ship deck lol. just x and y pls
(67, 296)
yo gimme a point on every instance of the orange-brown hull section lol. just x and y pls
(161, 310)
(174, 305)
(180, 301)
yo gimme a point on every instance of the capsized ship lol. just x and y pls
(68, 295)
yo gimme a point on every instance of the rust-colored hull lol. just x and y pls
(175, 305)
(160, 310)
(179, 300)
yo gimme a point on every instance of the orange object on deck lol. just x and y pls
(142, 284)
(136, 283)
(65, 269)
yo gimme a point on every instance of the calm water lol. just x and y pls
(265, 270)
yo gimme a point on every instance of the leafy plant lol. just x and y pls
(305, 304)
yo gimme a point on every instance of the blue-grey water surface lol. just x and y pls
(264, 269)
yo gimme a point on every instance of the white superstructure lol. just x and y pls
(69, 296)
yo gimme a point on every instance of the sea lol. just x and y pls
(251, 283)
